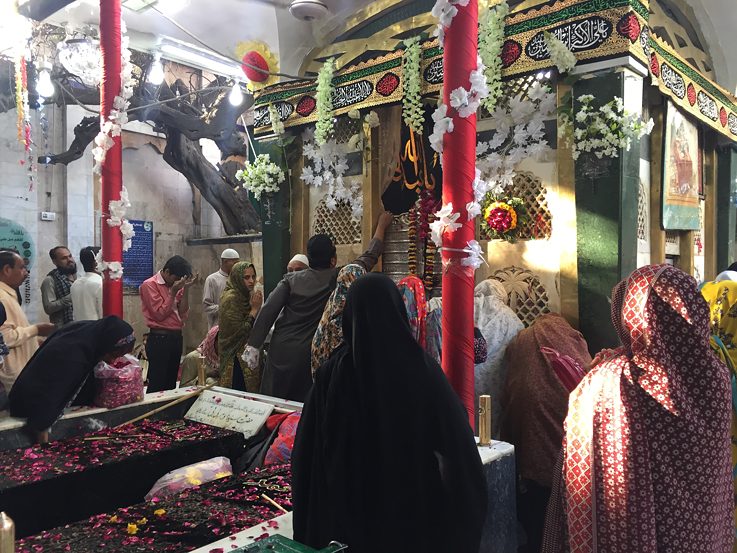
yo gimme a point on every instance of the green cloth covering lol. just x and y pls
(235, 327)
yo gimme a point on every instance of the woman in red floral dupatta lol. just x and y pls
(646, 453)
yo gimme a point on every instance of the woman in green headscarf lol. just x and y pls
(239, 306)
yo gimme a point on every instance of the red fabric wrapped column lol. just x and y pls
(459, 164)
(112, 168)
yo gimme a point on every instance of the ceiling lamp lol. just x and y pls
(236, 95)
(45, 87)
(81, 57)
(308, 10)
(156, 72)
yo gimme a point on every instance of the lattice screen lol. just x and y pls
(345, 128)
(642, 213)
(338, 224)
(528, 298)
(539, 224)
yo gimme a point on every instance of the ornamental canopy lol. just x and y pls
(594, 30)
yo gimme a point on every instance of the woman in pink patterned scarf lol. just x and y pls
(646, 452)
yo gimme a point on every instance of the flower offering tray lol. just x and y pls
(46, 486)
(188, 521)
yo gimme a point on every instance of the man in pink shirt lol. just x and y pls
(165, 308)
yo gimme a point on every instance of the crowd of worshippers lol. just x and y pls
(631, 450)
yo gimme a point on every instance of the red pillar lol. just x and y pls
(112, 168)
(459, 164)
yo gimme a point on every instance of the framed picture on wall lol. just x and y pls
(682, 174)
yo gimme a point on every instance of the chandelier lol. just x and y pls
(81, 57)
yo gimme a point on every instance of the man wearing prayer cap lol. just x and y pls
(299, 262)
(215, 284)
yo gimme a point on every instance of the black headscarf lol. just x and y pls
(61, 367)
(384, 458)
(3, 317)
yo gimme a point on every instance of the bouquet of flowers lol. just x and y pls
(503, 218)
(261, 177)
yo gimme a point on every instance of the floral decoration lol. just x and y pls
(277, 127)
(443, 124)
(491, 41)
(445, 221)
(603, 132)
(263, 176)
(475, 255)
(503, 217)
(117, 210)
(444, 11)
(411, 102)
(560, 55)
(327, 168)
(195, 518)
(324, 97)
(467, 102)
(520, 134)
(254, 53)
(118, 117)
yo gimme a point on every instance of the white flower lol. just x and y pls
(440, 33)
(473, 209)
(475, 255)
(536, 129)
(444, 12)
(581, 116)
(445, 222)
(372, 119)
(520, 108)
(537, 91)
(354, 114)
(548, 105)
(520, 134)
(537, 149)
(482, 148)
(560, 55)
(459, 98)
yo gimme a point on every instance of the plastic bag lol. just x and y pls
(190, 476)
(118, 384)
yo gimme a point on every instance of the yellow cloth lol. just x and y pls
(722, 299)
(19, 336)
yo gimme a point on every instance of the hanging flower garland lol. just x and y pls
(412, 112)
(261, 177)
(491, 41)
(277, 127)
(324, 98)
(563, 58)
(113, 126)
(467, 102)
(605, 131)
(327, 168)
(358, 141)
(520, 134)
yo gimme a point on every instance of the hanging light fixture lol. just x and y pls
(236, 95)
(81, 57)
(44, 86)
(156, 72)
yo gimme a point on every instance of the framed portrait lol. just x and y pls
(682, 173)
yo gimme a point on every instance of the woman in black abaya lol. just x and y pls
(62, 366)
(384, 458)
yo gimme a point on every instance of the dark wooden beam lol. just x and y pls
(41, 9)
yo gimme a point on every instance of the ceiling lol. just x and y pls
(223, 28)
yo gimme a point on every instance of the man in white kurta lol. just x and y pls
(86, 291)
(215, 284)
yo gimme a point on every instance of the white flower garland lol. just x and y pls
(520, 134)
(324, 97)
(467, 102)
(411, 101)
(117, 210)
(328, 168)
(560, 54)
(443, 124)
(491, 41)
(358, 140)
(445, 11)
(261, 177)
(113, 126)
(277, 127)
(445, 221)
(604, 131)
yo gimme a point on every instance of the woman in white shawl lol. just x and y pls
(498, 325)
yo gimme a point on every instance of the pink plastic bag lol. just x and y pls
(118, 384)
(190, 476)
